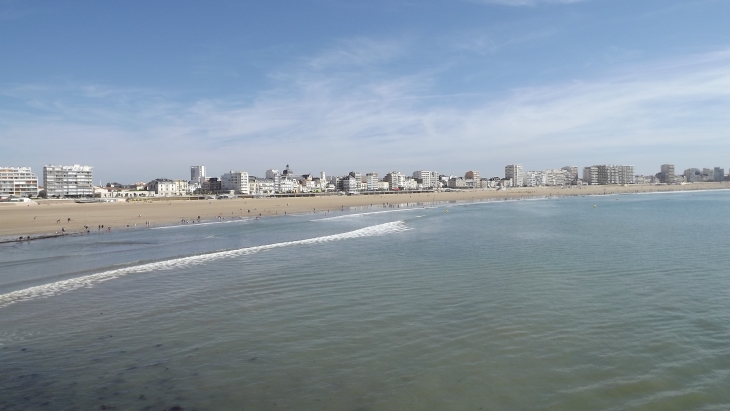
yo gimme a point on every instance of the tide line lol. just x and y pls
(199, 224)
(88, 281)
(348, 216)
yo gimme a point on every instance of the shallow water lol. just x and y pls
(550, 305)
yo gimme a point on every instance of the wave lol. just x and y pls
(64, 286)
(348, 216)
(243, 220)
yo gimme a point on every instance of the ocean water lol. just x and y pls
(549, 304)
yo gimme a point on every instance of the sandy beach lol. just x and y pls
(49, 217)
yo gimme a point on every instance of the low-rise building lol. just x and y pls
(164, 187)
(457, 182)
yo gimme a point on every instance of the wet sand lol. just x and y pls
(49, 217)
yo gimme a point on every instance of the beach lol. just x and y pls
(51, 217)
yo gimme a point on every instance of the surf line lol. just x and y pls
(88, 281)
(348, 216)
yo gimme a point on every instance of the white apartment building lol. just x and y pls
(692, 175)
(555, 177)
(236, 181)
(197, 174)
(68, 181)
(626, 175)
(350, 184)
(395, 179)
(424, 176)
(719, 174)
(590, 175)
(571, 174)
(608, 174)
(475, 177)
(182, 187)
(457, 182)
(287, 185)
(529, 179)
(515, 173)
(18, 181)
(410, 184)
(667, 174)
(262, 186)
(383, 185)
(356, 175)
(371, 181)
(435, 181)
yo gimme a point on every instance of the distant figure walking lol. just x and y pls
(58, 221)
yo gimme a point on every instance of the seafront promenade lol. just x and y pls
(51, 217)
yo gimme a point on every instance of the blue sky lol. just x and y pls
(144, 89)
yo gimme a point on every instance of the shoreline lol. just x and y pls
(48, 218)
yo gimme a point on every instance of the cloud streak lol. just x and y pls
(322, 114)
(525, 2)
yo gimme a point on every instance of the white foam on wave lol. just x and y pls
(64, 286)
(348, 216)
(199, 224)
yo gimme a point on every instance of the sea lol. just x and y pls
(573, 303)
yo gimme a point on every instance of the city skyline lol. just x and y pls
(341, 85)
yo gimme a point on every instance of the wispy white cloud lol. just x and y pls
(525, 2)
(322, 114)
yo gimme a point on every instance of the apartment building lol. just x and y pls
(395, 179)
(515, 173)
(719, 174)
(474, 175)
(350, 184)
(18, 181)
(68, 181)
(666, 175)
(423, 177)
(590, 175)
(457, 182)
(555, 177)
(371, 181)
(236, 181)
(197, 175)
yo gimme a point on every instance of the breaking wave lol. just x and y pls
(64, 286)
